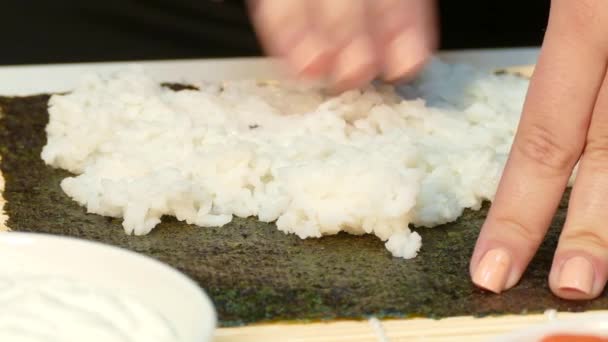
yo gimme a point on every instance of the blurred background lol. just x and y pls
(63, 31)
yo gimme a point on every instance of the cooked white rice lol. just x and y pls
(364, 162)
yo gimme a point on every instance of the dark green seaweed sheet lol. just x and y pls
(255, 273)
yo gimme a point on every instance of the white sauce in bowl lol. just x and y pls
(52, 309)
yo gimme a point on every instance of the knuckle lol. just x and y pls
(524, 232)
(585, 237)
(596, 153)
(542, 147)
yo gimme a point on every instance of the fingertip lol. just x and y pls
(577, 276)
(310, 57)
(355, 66)
(405, 56)
(498, 261)
(493, 270)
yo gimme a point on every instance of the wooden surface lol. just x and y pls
(467, 329)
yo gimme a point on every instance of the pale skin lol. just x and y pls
(347, 43)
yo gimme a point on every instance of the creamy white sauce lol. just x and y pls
(51, 309)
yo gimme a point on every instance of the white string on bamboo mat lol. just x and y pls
(378, 329)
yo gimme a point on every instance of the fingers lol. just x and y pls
(286, 30)
(580, 266)
(346, 25)
(348, 42)
(547, 145)
(406, 35)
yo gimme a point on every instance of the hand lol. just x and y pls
(564, 121)
(347, 42)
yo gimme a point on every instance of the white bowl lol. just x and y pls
(590, 324)
(153, 283)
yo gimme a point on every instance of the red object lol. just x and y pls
(574, 338)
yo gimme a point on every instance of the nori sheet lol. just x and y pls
(255, 273)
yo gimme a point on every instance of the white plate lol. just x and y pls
(157, 285)
(27, 80)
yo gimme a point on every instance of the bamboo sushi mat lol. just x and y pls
(467, 329)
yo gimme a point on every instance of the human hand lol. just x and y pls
(564, 121)
(347, 43)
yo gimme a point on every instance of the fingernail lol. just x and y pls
(405, 53)
(577, 274)
(493, 270)
(307, 56)
(355, 62)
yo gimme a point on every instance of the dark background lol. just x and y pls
(60, 31)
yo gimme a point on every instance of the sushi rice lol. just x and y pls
(370, 161)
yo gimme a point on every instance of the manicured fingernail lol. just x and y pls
(493, 270)
(355, 63)
(405, 53)
(308, 56)
(577, 274)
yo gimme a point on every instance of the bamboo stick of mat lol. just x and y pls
(467, 329)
